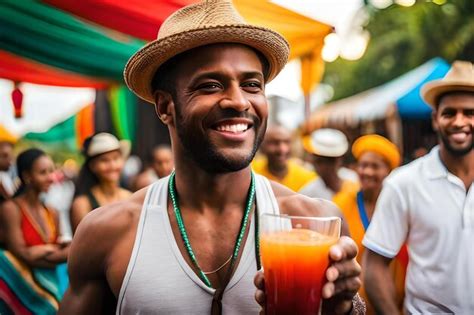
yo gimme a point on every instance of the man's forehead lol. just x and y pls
(277, 133)
(458, 100)
(6, 145)
(211, 56)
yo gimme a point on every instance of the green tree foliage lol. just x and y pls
(403, 38)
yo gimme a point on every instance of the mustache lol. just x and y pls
(230, 113)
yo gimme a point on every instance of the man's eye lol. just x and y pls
(252, 85)
(448, 114)
(209, 86)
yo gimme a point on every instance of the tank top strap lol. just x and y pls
(157, 194)
(266, 200)
(92, 200)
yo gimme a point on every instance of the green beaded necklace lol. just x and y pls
(184, 235)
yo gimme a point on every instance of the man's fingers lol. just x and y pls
(343, 307)
(259, 281)
(350, 268)
(260, 297)
(328, 290)
(345, 248)
(349, 286)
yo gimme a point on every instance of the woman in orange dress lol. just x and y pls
(32, 271)
(376, 157)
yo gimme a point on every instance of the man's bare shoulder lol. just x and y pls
(292, 203)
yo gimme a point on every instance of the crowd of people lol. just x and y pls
(181, 236)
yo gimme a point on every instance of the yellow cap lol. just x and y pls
(379, 145)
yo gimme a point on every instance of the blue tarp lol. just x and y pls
(410, 105)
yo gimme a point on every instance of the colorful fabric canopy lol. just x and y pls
(411, 105)
(40, 32)
(19, 69)
(138, 18)
(379, 102)
(143, 18)
(69, 134)
(305, 35)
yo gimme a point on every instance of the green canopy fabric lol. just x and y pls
(50, 36)
(62, 136)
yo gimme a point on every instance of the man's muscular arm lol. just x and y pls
(87, 284)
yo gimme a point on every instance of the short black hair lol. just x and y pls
(165, 77)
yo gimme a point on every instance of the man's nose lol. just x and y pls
(235, 99)
(460, 119)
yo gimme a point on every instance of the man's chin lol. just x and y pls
(459, 151)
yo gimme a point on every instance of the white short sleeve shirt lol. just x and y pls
(428, 207)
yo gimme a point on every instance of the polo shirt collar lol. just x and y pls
(434, 167)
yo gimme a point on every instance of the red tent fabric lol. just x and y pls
(15, 68)
(134, 17)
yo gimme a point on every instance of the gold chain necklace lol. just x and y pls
(216, 270)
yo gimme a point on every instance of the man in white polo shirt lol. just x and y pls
(429, 204)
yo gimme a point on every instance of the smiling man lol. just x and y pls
(188, 244)
(429, 204)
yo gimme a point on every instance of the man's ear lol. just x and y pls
(164, 106)
(434, 122)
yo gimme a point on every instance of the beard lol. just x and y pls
(206, 154)
(457, 152)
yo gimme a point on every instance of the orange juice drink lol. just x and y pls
(294, 265)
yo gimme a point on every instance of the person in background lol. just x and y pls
(160, 165)
(60, 196)
(277, 165)
(327, 147)
(98, 183)
(376, 157)
(32, 270)
(8, 177)
(7, 174)
(429, 205)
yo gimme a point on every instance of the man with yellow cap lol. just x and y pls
(376, 157)
(429, 205)
(7, 183)
(189, 243)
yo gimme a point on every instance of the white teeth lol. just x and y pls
(233, 128)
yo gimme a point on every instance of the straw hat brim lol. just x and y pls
(432, 90)
(142, 66)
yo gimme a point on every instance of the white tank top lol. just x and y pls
(159, 280)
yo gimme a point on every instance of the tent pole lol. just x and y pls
(307, 108)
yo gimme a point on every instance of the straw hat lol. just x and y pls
(380, 145)
(326, 142)
(105, 142)
(209, 22)
(459, 78)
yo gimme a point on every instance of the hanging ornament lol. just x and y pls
(17, 99)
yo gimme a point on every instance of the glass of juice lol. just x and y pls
(295, 256)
